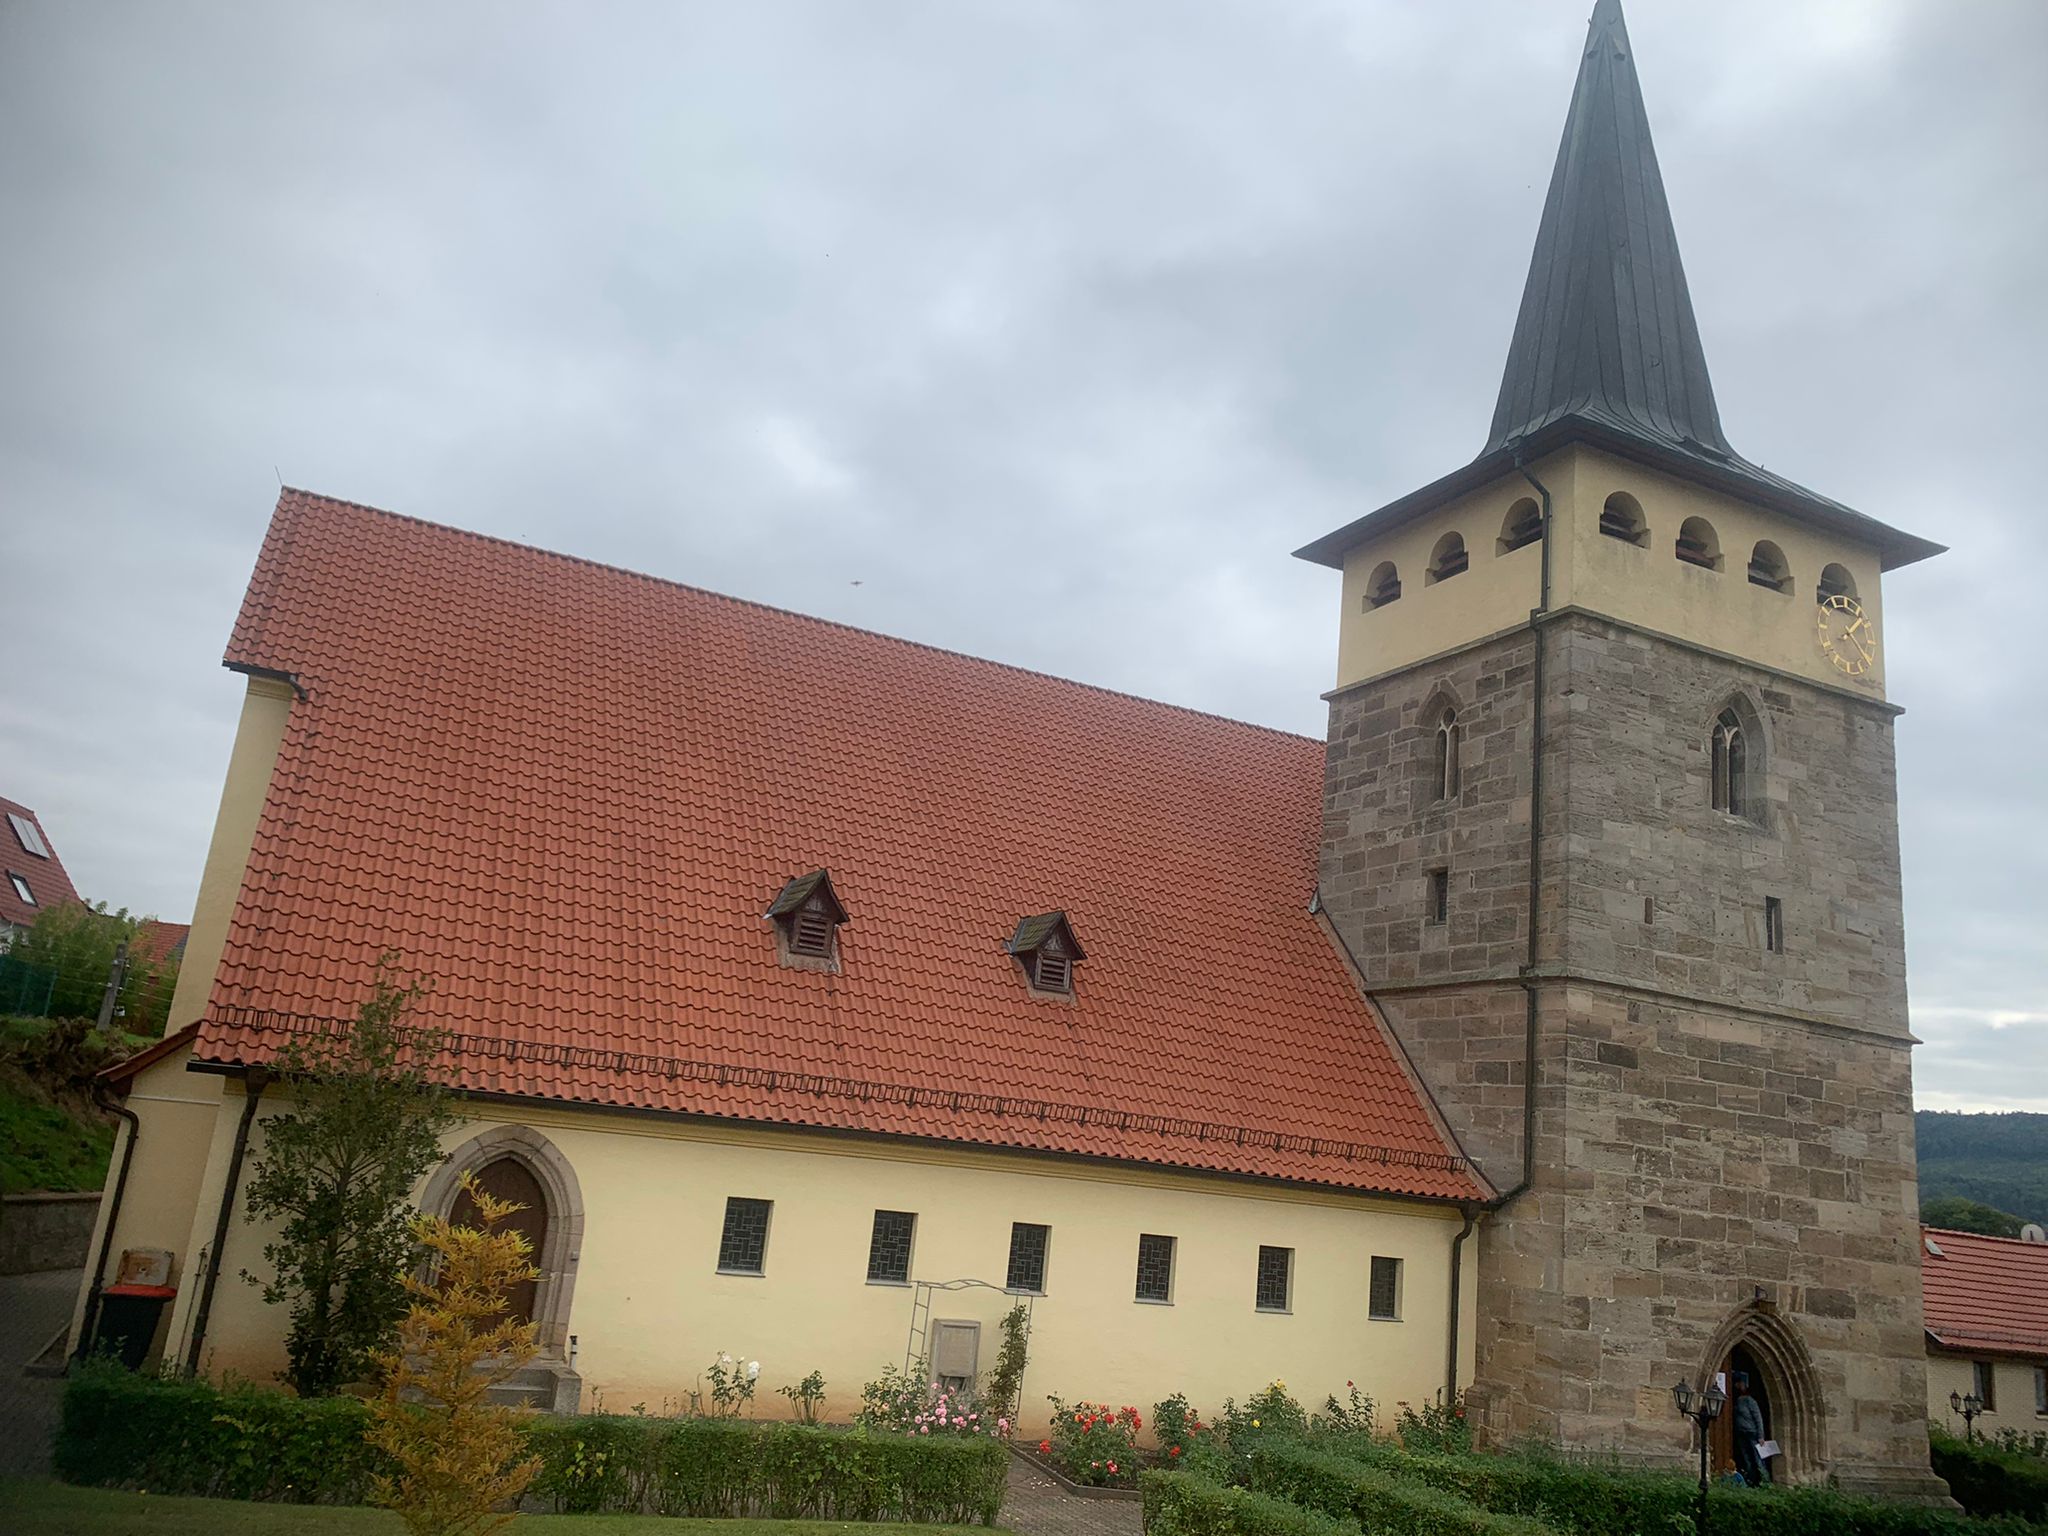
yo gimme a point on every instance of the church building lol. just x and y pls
(1540, 1034)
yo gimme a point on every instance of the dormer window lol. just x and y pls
(807, 915)
(1047, 950)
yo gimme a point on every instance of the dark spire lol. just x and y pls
(1606, 334)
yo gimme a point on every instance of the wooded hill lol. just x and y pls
(2001, 1160)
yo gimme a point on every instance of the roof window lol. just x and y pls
(1047, 949)
(21, 888)
(29, 835)
(807, 914)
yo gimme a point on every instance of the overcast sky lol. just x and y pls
(1042, 331)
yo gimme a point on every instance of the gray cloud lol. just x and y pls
(1053, 326)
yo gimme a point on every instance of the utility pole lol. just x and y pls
(116, 974)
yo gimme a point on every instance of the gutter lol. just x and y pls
(254, 1083)
(90, 1321)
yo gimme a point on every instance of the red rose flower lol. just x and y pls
(1045, 1447)
(1173, 1450)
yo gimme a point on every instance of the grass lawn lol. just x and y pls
(57, 1509)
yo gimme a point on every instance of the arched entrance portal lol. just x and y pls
(517, 1162)
(510, 1180)
(1756, 1341)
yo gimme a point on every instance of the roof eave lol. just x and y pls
(1894, 546)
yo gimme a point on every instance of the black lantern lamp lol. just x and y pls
(1702, 1407)
(1969, 1405)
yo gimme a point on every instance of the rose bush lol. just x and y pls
(1094, 1444)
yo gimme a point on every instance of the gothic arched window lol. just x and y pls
(1446, 776)
(1731, 765)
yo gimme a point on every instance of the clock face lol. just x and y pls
(1847, 635)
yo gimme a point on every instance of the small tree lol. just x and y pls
(336, 1173)
(75, 943)
(1959, 1213)
(458, 1455)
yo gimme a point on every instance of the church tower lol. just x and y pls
(1611, 831)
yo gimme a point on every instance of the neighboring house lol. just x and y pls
(1986, 1301)
(32, 878)
(1542, 1029)
(157, 943)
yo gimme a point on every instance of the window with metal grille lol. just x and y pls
(1276, 1279)
(1984, 1382)
(21, 888)
(1028, 1242)
(1383, 586)
(1621, 517)
(28, 835)
(1774, 925)
(1383, 1293)
(1052, 973)
(1155, 1267)
(1522, 527)
(889, 1247)
(1439, 909)
(743, 1247)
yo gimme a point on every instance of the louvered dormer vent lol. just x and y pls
(1048, 952)
(807, 915)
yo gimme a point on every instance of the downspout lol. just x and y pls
(1527, 978)
(253, 1085)
(99, 1269)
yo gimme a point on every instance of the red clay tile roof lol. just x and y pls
(47, 881)
(567, 793)
(1987, 1295)
(156, 941)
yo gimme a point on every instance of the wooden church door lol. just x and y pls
(510, 1179)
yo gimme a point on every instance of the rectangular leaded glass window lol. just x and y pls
(743, 1247)
(1028, 1242)
(1276, 1279)
(1155, 1267)
(889, 1248)
(1383, 1296)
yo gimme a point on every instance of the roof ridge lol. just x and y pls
(791, 613)
(1989, 1237)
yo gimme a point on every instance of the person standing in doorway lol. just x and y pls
(1749, 1431)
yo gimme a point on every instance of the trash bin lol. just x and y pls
(128, 1318)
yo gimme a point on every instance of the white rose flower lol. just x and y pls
(753, 1369)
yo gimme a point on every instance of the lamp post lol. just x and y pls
(1702, 1408)
(1969, 1405)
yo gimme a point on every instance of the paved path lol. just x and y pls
(32, 1307)
(1038, 1506)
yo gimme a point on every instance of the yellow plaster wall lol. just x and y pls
(266, 711)
(176, 1111)
(1649, 587)
(1720, 609)
(649, 1310)
(2013, 1390)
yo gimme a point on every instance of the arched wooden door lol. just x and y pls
(1721, 1436)
(509, 1179)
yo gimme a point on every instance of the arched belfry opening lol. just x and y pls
(518, 1163)
(1759, 1341)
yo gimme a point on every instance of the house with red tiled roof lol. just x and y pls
(32, 877)
(1538, 1034)
(1986, 1303)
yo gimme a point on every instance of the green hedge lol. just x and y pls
(1609, 1501)
(188, 1437)
(1989, 1481)
(243, 1442)
(1184, 1504)
(1384, 1500)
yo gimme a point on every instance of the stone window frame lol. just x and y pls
(561, 1248)
(1752, 799)
(1440, 724)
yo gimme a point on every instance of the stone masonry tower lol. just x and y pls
(1611, 830)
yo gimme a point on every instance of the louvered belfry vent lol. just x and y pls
(1046, 949)
(807, 914)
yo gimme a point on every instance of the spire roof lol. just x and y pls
(1606, 330)
(1606, 350)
